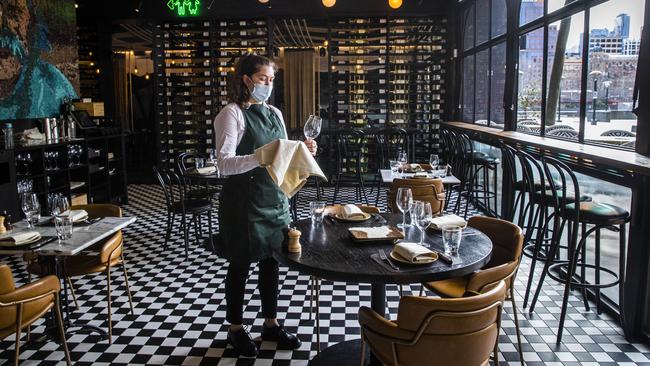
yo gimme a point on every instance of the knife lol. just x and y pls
(43, 243)
(445, 257)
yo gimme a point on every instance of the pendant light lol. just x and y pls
(263, 1)
(329, 3)
(395, 4)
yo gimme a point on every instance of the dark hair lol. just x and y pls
(248, 64)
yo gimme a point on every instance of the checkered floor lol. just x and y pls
(180, 310)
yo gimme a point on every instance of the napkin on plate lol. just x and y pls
(206, 170)
(440, 221)
(19, 238)
(414, 252)
(78, 215)
(289, 164)
(351, 211)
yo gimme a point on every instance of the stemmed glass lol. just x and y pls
(421, 217)
(434, 161)
(312, 127)
(402, 158)
(31, 208)
(404, 202)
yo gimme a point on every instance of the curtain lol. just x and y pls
(299, 86)
(122, 89)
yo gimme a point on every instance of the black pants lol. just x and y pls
(236, 284)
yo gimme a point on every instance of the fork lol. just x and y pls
(383, 257)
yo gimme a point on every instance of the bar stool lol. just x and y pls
(478, 164)
(599, 216)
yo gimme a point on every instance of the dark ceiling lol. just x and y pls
(157, 9)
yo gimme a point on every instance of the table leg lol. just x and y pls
(378, 304)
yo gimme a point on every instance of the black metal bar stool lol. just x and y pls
(572, 215)
(479, 164)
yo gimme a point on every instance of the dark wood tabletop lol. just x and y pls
(212, 178)
(329, 252)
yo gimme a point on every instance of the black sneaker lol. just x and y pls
(285, 340)
(242, 342)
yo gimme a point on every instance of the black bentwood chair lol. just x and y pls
(186, 161)
(390, 142)
(178, 202)
(571, 211)
(351, 145)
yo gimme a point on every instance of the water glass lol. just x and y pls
(404, 201)
(451, 235)
(317, 211)
(394, 167)
(63, 225)
(31, 208)
(199, 162)
(421, 217)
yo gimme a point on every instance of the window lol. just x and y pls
(592, 105)
(483, 62)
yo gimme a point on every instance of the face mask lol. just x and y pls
(262, 92)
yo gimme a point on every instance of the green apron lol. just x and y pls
(253, 211)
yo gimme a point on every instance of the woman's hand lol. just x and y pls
(312, 146)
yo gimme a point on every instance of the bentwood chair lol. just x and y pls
(390, 142)
(178, 202)
(198, 191)
(350, 164)
(99, 258)
(21, 307)
(571, 212)
(436, 331)
(427, 190)
(507, 239)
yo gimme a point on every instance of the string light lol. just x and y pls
(146, 77)
(97, 71)
(395, 3)
(329, 3)
(135, 70)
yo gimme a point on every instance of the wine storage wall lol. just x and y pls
(384, 72)
(193, 61)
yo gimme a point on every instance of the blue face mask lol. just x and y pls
(262, 92)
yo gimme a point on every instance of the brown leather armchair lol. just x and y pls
(20, 307)
(507, 240)
(427, 190)
(100, 257)
(436, 331)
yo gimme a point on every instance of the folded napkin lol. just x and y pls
(206, 170)
(19, 238)
(414, 252)
(76, 215)
(33, 134)
(350, 211)
(374, 232)
(289, 164)
(440, 221)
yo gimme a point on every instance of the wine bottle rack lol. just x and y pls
(193, 63)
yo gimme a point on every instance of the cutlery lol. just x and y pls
(43, 243)
(377, 217)
(445, 257)
(383, 257)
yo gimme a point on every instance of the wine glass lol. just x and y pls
(434, 161)
(31, 208)
(421, 217)
(312, 127)
(404, 200)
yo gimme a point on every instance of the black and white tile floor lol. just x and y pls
(180, 311)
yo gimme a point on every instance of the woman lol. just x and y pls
(253, 211)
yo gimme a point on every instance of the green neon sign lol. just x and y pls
(184, 7)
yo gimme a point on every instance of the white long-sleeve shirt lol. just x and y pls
(229, 128)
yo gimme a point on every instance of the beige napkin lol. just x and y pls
(206, 170)
(289, 164)
(440, 221)
(19, 238)
(351, 211)
(413, 252)
(373, 232)
(77, 215)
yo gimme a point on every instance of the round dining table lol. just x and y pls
(329, 252)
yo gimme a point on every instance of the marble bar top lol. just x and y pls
(82, 236)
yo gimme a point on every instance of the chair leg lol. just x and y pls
(74, 295)
(583, 268)
(168, 230)
(597, 264)
(515, 312)
(363, 350)
(185, 233)
(496, 352)
(59, 320)
(571, 269)
(108, 299)
(126, 283)
(19, 319)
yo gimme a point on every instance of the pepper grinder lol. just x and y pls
(294, 241)
(2, 225)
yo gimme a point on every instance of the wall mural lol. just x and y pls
(38, 57)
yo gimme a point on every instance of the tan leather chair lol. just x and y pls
(436, 331)
(427, 190)
(20, 307)
(100, 258)
(507, 240)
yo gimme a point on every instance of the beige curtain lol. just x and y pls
(122, 89)
(299, 86)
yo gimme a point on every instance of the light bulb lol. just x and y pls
(263, 1)
(395, 3)
(329, 3)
